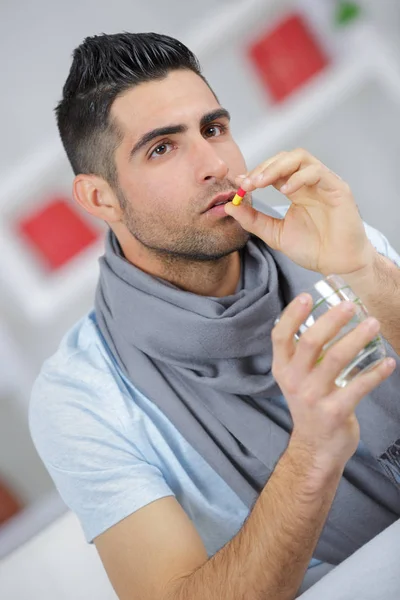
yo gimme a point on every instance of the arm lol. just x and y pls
(378, 286)
(156, 553)
(270, 555)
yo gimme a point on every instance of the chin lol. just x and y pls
(230, 246)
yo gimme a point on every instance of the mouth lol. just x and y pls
(220, 200)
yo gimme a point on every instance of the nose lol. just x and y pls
(208, 164)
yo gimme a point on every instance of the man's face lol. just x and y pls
(168, 178)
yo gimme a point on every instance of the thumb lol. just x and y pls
(263, 226)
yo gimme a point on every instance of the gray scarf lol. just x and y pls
(206, 363)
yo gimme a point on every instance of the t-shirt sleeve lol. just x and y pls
(381, 243)
(99, 472)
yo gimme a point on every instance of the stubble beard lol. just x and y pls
(189, 245)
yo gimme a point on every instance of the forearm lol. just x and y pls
(269, 556)
(379, 288)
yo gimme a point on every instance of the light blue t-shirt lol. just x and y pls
(111, 451)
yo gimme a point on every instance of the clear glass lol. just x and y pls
(328, 293)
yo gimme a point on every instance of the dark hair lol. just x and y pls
(104, 67)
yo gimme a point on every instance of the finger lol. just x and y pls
(324, 330)
(310, 176)
(282, 335)
(346, 348)
(342, 352)
(263, 226)
(356, 390)
(279, 171)
(256, 171)
(266, 163)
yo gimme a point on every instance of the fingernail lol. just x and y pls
(304, 299)
(285, 188)
(258, 178)
(348, 307)
(390, 363)
(372, 324)
(247, 181)
(241, 177)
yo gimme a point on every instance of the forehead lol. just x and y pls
(180, 98)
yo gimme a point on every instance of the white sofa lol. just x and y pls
(57, 564)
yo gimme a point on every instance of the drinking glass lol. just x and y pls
(326, 294)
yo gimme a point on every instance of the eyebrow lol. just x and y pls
(219, 113)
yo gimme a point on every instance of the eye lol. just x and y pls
(161, 149)
(214, 130)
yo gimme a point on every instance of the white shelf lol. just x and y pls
(225, 25)
(371, 61)
(42, 296)
(39, 294)
(310, 104)
(15, 375)
(31, 171)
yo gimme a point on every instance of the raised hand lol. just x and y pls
(322, 230)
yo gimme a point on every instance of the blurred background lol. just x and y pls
(321, 74)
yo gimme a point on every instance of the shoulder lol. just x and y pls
(81, 363)
(78, 392)
(81, 355)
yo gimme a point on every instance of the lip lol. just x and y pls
(227, 197)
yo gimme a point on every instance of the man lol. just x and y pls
(195, 471)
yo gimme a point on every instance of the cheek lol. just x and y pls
(235, 160)
(160, 195)
(170, 186)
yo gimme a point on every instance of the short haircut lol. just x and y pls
(104, 67)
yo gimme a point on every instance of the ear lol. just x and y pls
(95, 196)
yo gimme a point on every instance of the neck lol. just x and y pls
(217, 278)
